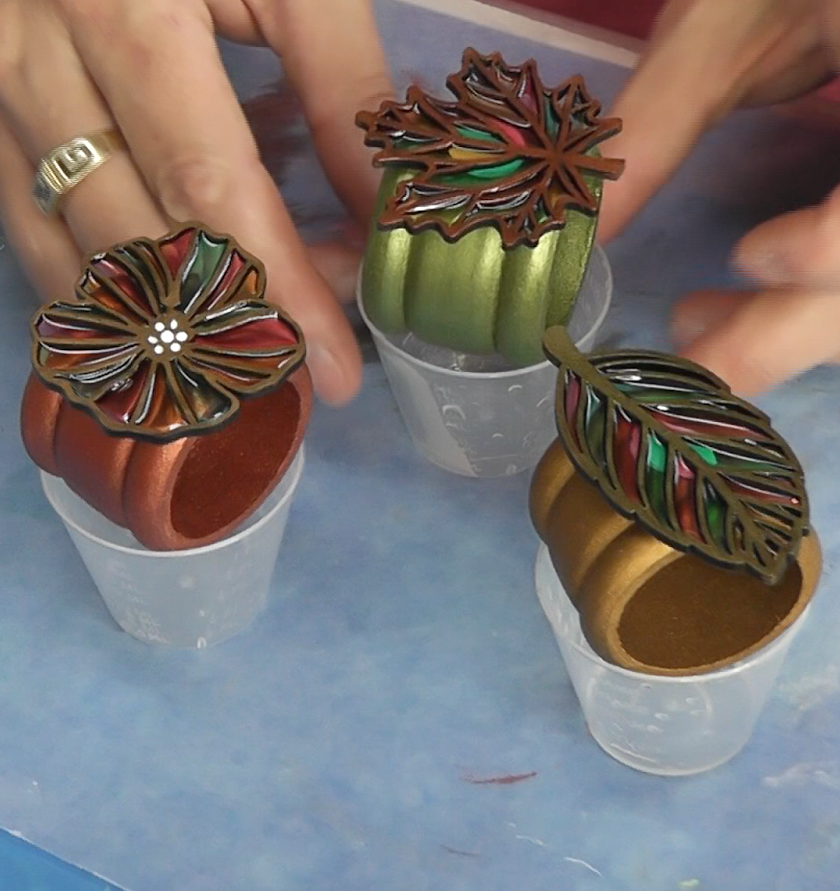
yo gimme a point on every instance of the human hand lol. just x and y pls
(706, 57)
(152, 69)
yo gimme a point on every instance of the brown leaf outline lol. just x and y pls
(669, 444)
(509, 152)
(164, 338)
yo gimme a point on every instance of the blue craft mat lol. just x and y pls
(403, 654)
(23, 867)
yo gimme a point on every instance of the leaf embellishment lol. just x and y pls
(165, 337)
(668, 443)
(509, 152)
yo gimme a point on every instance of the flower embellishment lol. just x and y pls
(509, 152)
(165, 337)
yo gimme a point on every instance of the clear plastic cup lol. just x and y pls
(672, 726)
(187, 599)
(475, 415)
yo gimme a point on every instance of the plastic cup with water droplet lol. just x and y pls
(190, 598)
(667, 725)
(476, 415)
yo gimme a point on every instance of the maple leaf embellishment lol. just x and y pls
(508, 152)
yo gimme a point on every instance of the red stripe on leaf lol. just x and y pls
(626, 444)
(703, 427)
(684, 498)
(571, 403)
(763, 494)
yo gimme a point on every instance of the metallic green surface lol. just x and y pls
(540, 285)
(570, 261)
(524, 291)
(385, 262)
(451, 290)
(472, 295)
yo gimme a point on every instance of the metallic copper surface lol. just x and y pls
(196, 494)
(92, 462)
(181, 494)
(168, 393)
(38, 417)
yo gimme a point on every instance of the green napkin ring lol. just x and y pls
(487, 209)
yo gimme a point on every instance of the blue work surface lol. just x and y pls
(23, 867)
(399, 718)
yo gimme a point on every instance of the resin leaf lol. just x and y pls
(669, 444)
(509, 152)
(165, 336)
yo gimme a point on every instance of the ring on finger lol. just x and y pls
(63, 168)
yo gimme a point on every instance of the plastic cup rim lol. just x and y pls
(739, 667)
(292, 477)
(382, 339)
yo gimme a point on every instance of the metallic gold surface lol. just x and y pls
(645, 605)
(669, 444)
(63, 168)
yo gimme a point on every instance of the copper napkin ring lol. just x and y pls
(168, 394)
(675, 516)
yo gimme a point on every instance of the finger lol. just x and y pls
(801, 247)
(235, 22)
(48, 99)
(701, 311)
(798, 61)
(812, 69)
(677, 93)
(44, 247)
(338, 264)
(770, 337)
(191, 141)
(332, 54)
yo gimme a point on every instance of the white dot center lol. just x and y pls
(168, 337)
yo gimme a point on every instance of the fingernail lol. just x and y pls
(327, 374)
(765, 264)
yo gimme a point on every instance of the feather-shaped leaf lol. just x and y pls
(668, 443)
